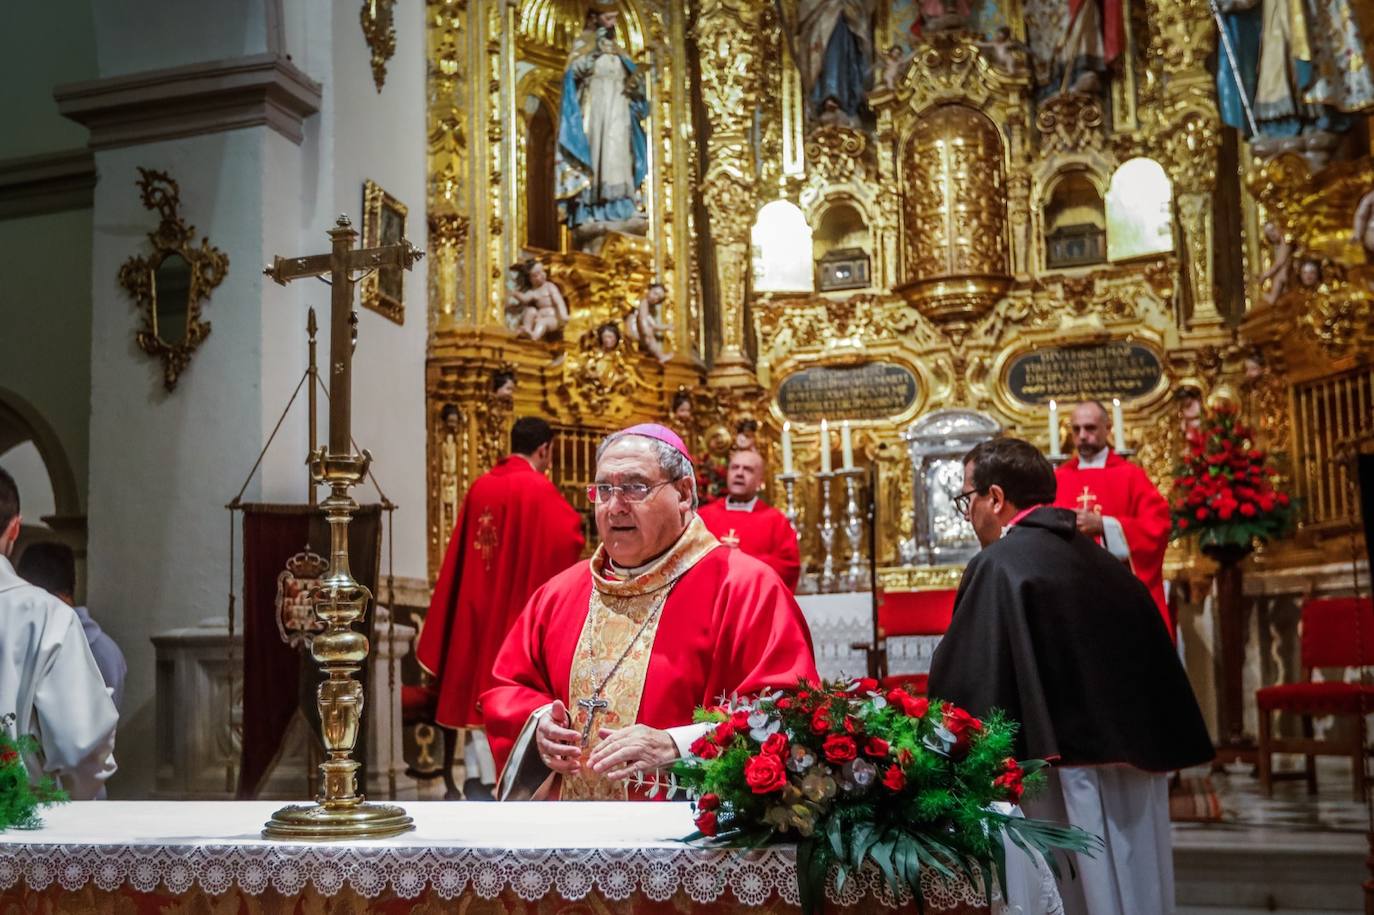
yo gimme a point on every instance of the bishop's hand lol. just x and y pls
(1089, 523)
(560, 748)
(625, 751)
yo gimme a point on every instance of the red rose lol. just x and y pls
(1202, 514)
(706, 822)
(1283, 498)
(1183, 524)
(876, 746)
(725, 732)
(740, 720)
(764, 774)
(708, 801)
(868, 685)
(703, 748)
(784, 703)
(916, 707)
(839, 748)
(1010, 781)
(894, 778)
(776, 744)
(851, 725)
(959, 722)
(1247, 510)
(820, 719)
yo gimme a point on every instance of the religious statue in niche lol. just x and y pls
(834, 51)
(747, 435)
(1300, 67)
(602, 153)
(1277, 274)
(645, 326)
(449, 500)
(680, 416)
(503, 385)
(1074, 43)
(535, 301)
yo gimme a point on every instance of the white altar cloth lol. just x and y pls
(616, 849)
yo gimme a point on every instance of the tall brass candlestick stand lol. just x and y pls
(340, 601)
(827, 532)
(855, 576)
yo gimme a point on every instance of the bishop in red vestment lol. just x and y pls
(515, 532)
(1115, 502)
(601, 675)
(742, 521)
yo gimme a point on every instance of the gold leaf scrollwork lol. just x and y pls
(379, 31)
(1070, 122)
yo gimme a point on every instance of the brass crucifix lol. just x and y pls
(340, 600)
(593, 705)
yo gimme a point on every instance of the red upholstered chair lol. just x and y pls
(902, 614)
(1336, 632)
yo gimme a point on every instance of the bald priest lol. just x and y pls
(602, 673)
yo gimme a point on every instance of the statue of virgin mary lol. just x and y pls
(601, 158)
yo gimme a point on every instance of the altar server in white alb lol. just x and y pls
(48, 679)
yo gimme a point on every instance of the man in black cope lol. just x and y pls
(1054, 631)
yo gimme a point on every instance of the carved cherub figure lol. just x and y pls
(1277, 274)
(543, 309)
(644, 325)
(1004, 54)
(1363, 230)
(891, 67)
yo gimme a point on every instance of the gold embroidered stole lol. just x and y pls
(615, 615)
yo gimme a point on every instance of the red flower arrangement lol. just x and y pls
(856, 777)
(19, 800)
(1224, 493)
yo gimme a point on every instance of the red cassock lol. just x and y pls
(728, 626)
(764, 533)
(514, 533)
(1121, 490)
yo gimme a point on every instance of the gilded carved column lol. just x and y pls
(1183, 124)
(448, 163)
(729, 86)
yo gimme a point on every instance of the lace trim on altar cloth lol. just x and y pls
(705, 875)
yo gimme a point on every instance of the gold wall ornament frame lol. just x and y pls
(170, 285)
(377, 18)
(384, 223)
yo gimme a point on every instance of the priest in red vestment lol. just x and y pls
(743, 521)
(601, 675)
(1115, 502)
(515, 531)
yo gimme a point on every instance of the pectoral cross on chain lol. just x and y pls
(593, 705)
(1085, 498)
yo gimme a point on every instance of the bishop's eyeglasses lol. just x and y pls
(963, 500)
(631, 492)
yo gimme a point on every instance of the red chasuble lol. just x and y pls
(763, 533)
(514, 533)
(1121, 490)
(728, 626)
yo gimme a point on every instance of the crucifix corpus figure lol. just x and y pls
(340, 600)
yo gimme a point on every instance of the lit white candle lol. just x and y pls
(1118, 427)
(786, 447)
(846, 446)
(825, 446)
(1054, 429)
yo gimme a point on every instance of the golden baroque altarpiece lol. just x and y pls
(977, 200)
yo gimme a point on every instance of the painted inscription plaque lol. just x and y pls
(874, 390)
(1095, 371)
